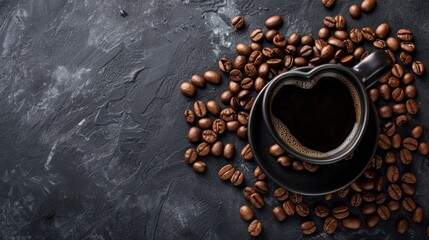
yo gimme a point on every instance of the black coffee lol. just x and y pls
(320, 118)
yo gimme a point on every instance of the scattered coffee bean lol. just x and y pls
(368, 34)
(401, 120)
(199, 166)
(190, 155)
(390, 157)
(247, 191)
(396, 141)
(203, 149)
(409, 204)
(242, 132)
(383, 212)
(238, 22)
(418, 215)
(289, 207)
(226, 172)
(380, 198)
(188, 89)
(398, 94)
(392, 173)
(194, 134)
(279, 214)
(423, 148)
(217, 149)
(329, 21)
(402, 226)
(257, 200)
(212, 77)
(385, 112)
(405, 58)
(233, 126)
(385, 92)
(354, 11)
(405, 34)
(418, 68)
(229, 151)
(393, 205)
(408, 189)
(340, 212)
(405, 156)
(209, 136)
(351, 222)
(243, 49)
(321, 211)
(228, 114)
(399, 109)
(308, 227)
(205, 123)
(254, 228)
(373, 220)
(258, 173)
(384, 142)
(246, 213)
(410, 91)
(369, 208)
(189, 116)
(380, 44)
(261, 187)
(273, 22)
(394, 191)
(410, 143)
(356, 200)
(237, 178)
(219, 126)
(302, 209)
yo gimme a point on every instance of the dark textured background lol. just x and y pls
(92, 133)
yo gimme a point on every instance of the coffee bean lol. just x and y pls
(368, 33)
(409, 204)
(354, 11)
(399, 109)
(308, 227)
(307, 40)
(389, 129)
(402, 226)
(380, 44)
(237, 178)
(321, 210)
(274, 22)
(198, 81)
(255, 46)
(376, 162)
(189, 116)
(385, 112)
(269, 35)
(385, 92)
(188, 89)
(246, 152)
(228, 114)
(310, 167)
(342, 193)
(233, 126)
(205, 123)
(256, 200)
(279, 40)
(398, 94)
(380, 198)
(203, 149)
(281, 194)
(259, 83)
(351, 222)
(247, 191)
(393, 205)
(236, 76)
(418, 68)
(367, 185)
(417, 131)
(394, 191)
(357, 53)
(190, 155)
(239, 62)
(396, 141)
(408, 178)
(340, 212)
(418, 215)
(200, 108)
(405, 156)
(391, 55)
(410, 91)
(328, 196)
(368, 196)
(329, 21)
(254, 228)
(341, 35)
(212, 77)
(199, 166)
(384, 142)
(294, 39)
(302, 209)
(218, 126)
(392, 173)
(373, 220)
(217, 149)
(276, 151)
(401, 120)
(336, 42)
(225, 65)
(275, 62)
(261, 187)
(405, 58)
(279, 214)
(256, 58)
(368, 5)
(330, 225)
(237, 22)
(397, 71)
(228, 151)
(328, 3)
(423, 148)
(383, 212)
(285, 161)
(246, 213)
(339, 54)
(393, 82)
(243, 49)
(405, 34)
(340, 22)
(393, 44)
(327, 52)
(226, 172)
(408, 189)
(364, 55)
(256, 35)
(408, 47)
(369, 208)
(297, 165)
(242, 132)
(194, 134)
(323, 33)
(300, 62)
(410, 143)
(289, 207)
(226, 96)
(306, 51)
(258, 173)
(356, 35)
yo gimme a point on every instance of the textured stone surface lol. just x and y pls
(92, 134)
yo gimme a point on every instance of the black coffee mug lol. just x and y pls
(354, 82)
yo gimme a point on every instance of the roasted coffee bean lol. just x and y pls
(200, 108)
(203, 149)
(340, 212)
(339, 54)
(237, 178)
(242, 132)
(385, 92)
(364, 55)
(330, 225)
(380, 44)
(396, 141)
(225, 65)
(369, 208)
(269, 35)
(327, 52)
(234, 87)
(233, 103)
(357, 53)
(258, 173)
(397, 71)
(408, 178)
(239, 62)
(341, 35)
(212, 77)
(349, 46)
(233, 126)
(398, 94)
(190, 155)
(279, 214)
(226, 96)
(279, 40)
(329, 21)
(328, 196)
(259, 83)
(389, 129)
(295, 198)
(194, 134)
(391, 55)
(336, 42)
(356, 35)
(385, 112)
(217, 149)
(418, 68)
(392, 173)
(340, 22)
(374, 94)
(205, 123)
(417, 131)
(383, 212)
(408, 189)
(300, 61)
(354, 11)
(226, 172)
(405, 156)
(410, 143)
(261, 187)
(382, 31)
(376, 162)
(256, 200)
(255, 46)
(307, 40)
(244, 95)
(321, 211)
(384, 142)
(408, 47)
(393, 44)
(246, 213)
(274, 62)
(310, 167)
(319, 44)
(198, 81)
(402, 226)
(274, 22)
(294, 39)
(256, 35)
(323, 33)
(423, 148)
(368, 196)
(399, 109)
(404, 34)
(219, 126)
(380, 198)
(213, 107)
(401, 120)
(368, 5)
(308, 227)
(228, 114)
(409, 204)
(418, 215)
(410, 91)
(281, 194)
(243, 49)
(228, 151)
(188, 89)
(356, 200)
(393, 82)
(297, 165)
(290, 50)
(328, 3)
(394, 191)
(368, 33)
(238, 22)
(385, 78)
(373, 220)
(199, 166)
(342, 193)
(189, 116)
(306, 51)
(276, 151)
(251, 70)
(405, 58)
(367, 185)
(393, 205)
(302, 209)
(247, 191)
(355, 186)
(243, 118)
(256, 58)
(254, 228)
(351, 222)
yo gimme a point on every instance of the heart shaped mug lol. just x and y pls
(320, 116)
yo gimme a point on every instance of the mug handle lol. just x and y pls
(373, 67)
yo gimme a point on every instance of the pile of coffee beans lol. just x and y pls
(387, 184)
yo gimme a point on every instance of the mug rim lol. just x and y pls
(363, 97)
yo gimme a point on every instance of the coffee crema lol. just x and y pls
(317, 117)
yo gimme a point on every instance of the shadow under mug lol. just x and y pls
(361, 76)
